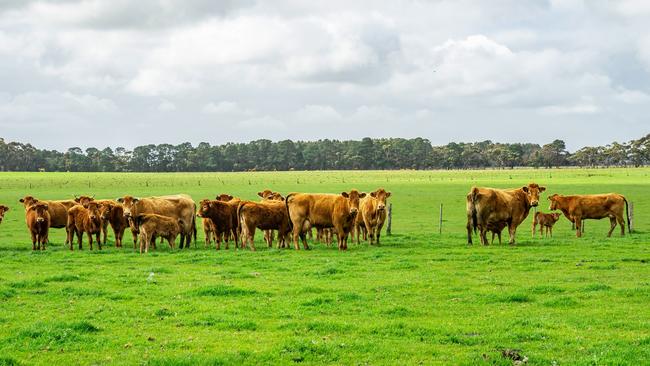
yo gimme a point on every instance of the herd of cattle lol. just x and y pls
(293, 217)
(224, 219)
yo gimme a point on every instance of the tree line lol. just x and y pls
(266, 155)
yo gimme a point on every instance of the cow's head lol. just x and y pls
(224, 197)
(381, 195)
(556, 216)
(105, 209)
(554, 198)
(129, 204)
(28, 201)
(3, 209)
(533, 190)
(204, 207)
(276, 196)
(41, 210)
(353, 198)
(93, 210)
(83, 200)
(265, 194)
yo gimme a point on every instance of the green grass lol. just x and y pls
(420, 298)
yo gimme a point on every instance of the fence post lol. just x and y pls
(631, 213)
(440, 222)
(390, 219)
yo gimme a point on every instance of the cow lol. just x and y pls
(496, 229)
(323, 210)
(179, 206)
(3, 210)
(112, 212)
(234, 203)
(84, 220)
(58, 210)
(545, 221)
(577, 208)
(209, 231)
(220, 214)
(372, 215)
(151, 226)
(269, 195)
(83, 200)
(268, 215)
(491, 208)
(324, 235)
(37, 217)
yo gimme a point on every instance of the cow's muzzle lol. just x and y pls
(381, 208)
(534, 203)
(40, 219)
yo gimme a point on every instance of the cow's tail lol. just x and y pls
(627, 216)
(239, 207)
(286, 204)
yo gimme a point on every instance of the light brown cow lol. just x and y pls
(545, 221)
(592, 206)
(266, 216)
(58, 210)
(151, 226)
(37, 217)
(489, 207)
(323, 210)
(372, 215)
(3, 210)
(269, 195)
(179, 206)
(220, 214)
(84, 220)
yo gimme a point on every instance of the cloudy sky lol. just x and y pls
(124, 73)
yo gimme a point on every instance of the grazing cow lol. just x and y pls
(234, 203)
(112, 212)
(372, 215)
(85, 220)
(592, 206)
(268, 215)
(491, 208)
(58, 210)
(37, 217)
(323, 210)
(221, 216)
(179, 206)
(151, 226)
(3, 210)
(545, 221)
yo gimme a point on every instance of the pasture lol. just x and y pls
(420, 298)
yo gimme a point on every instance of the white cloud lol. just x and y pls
(166, 106)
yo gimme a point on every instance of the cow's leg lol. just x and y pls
(578, 222)
(79, 238)
(621, 223)
(550, 230)
(297, 230)
(612, 224)
(484, 240)
(512, 230)
(499, 234)
(378, 232)
(469, 233)
(534, 228)
(34, 238)
(226, 237)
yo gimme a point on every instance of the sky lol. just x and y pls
(126, 73)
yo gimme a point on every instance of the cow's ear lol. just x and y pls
(120, 200)
(525, 189)
(388, 194)
(373, 194)
(76, 199)
(135, 200)
(542, 189)
(363, 195)
(345, 194)
(229, 197)
(46, 207)
(260, 194)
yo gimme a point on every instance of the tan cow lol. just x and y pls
(220, 214)
(37, 217)
(266, 216)
(84, 220)
(151, 226)
(545, 221)
(3, 210)
(179, 206)
(323, 210)
(491, 208)
(58, 210)
(372, 215)
(577, 208)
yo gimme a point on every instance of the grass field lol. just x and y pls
(420, 298)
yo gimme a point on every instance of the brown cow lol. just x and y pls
(323, 210)
(489, 207)
(269, 195)
(3, 210)
(496, 229)
(179, 206)
(151, 226)
(267, 215)
(37, 217)
(84, 220)
(372, 215)
(545, 221)
(220, 214)
(83, 200)
(209, 231)
(58, 210)
(234, 203)
(113, 213)
(592, 206)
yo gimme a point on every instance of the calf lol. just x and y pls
(323, 210)
(234, 203)
(37, 217)
(84, 220)
(324, 235)
(593, 206)
(545, 221)
(269, 195)
(372, 215)
(151, 226)
(58, 211)
(83, 200)
(220, 214)
(268, 215)
(210, 231)
(3, 210)
(112, 213)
